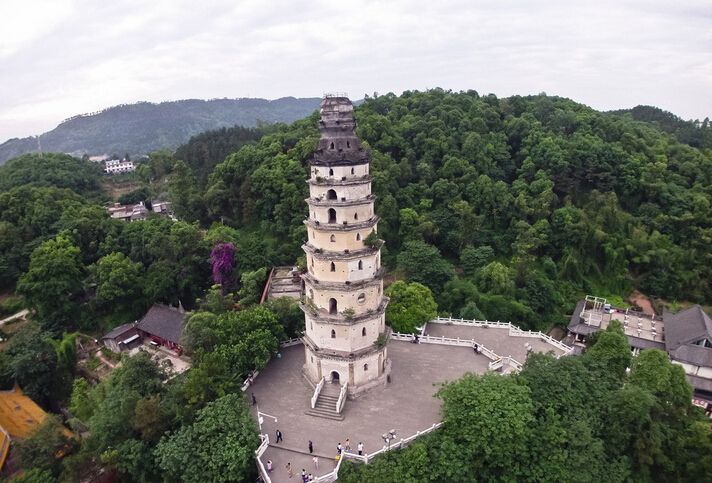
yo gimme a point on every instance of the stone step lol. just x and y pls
(316, 412)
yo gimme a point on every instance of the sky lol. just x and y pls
(60, 58)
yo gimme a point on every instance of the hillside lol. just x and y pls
(145, 127)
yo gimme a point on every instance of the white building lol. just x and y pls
(119, 166)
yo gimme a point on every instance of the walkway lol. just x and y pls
(406, 404)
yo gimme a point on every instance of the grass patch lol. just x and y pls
(10, 305)
(92, 363)
(110, 355)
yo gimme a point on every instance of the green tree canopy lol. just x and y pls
(411, 305)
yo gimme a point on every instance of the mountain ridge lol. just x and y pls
(145, 127)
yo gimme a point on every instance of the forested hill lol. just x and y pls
(694, 133)
(145, 127)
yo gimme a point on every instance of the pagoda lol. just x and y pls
(344, 303)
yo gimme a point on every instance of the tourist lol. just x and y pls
(316, 462)
(269, 465)
(289, 469)
(348, 445)
(254, 399)
(279, 436)
(360, 449)
(311, 447)
(477, 349)
(338, 448)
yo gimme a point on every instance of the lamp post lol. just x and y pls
(261, 420)
(388, 437)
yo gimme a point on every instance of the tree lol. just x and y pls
(219, 446)
(223, 260)
(119, 284)
(252, 286)
(53, 281)
(472, 259)
(66, 351)
(612, 350)
(411, 305)
(487, 417)
(424, 264)
(495, 278)
(40, 449)
(34, 365)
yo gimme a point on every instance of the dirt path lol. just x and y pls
(641, 301)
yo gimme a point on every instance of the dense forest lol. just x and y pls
(506, 209)
(144, 127)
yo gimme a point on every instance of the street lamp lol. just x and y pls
(388, 437)
(261, 420)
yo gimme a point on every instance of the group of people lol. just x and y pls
(306, 478)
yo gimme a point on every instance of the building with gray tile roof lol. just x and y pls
(685, 335)
(163, 323)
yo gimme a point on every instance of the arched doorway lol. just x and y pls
(334, 377)
(332, 306)
(331, 195)
(332, 215)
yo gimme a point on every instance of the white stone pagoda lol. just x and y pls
(344, 303)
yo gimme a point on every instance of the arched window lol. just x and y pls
(332, 215)
(333, 267)
(363, 332)
(355, 216)
(358, 236)
(331, 172)
(331, 195)
(348, 144)
(333, 334)
(361, 298)
(360, 265)
(365, 367)
(332, 306)
(333, 238)
(311, 294)
(312, 261)
(352, 171)
(332, 145)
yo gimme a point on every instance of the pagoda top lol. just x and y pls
(336, 94)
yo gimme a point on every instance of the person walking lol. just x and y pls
(289, 469)
(360, 448)
(348, 445)
(316, 462)
(279, 436)
(338, 448)
(254, 399)
(311, 447)
(269, 466)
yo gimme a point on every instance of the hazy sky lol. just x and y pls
(59, 58)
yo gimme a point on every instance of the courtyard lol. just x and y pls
(406, 404)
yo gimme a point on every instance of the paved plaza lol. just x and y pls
(495, 339)
(406, 404)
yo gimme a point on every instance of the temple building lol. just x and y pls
(344, 302)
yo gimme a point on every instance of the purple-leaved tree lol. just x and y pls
(222, 258)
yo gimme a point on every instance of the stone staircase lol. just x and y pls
(326, 404)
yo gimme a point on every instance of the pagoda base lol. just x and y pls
(367, 371)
